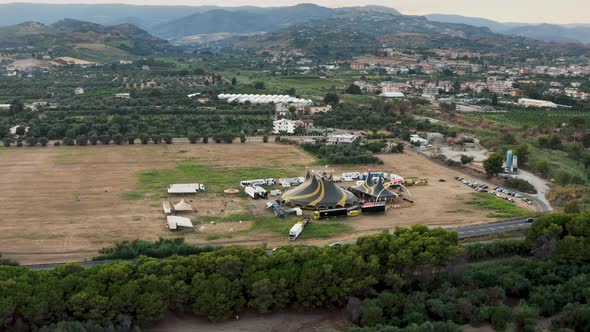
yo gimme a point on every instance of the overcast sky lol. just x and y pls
(550, 11)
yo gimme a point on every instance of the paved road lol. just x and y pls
(539, 184)
(463, 231)
(490, 228)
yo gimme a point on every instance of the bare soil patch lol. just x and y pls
(65, 203)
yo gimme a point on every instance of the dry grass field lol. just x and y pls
(64, 203)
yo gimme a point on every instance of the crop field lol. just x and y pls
(64, 203)
(534, 118)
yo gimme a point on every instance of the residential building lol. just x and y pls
(283, 126)
(320, 109)
(341, 139)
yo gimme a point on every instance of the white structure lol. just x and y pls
(185, 188)
(183, 206)
(122, 95)
(341, 139)
(78, 91)
(263, 99)
(13, 129)
(430, 91)
(320, 109)
(417, 139)
(175, 221)
(393, 94)
(4, 106)
(283, 126)
(536, 103)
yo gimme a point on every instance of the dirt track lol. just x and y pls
(63, 204)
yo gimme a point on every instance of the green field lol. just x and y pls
(499, 208)
(153, 183)
(533, 118)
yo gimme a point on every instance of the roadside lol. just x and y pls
(539, 198)
(541, 185)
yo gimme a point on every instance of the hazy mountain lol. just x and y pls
(70, 34)
(577, 33)
(241, 21)
(363, 33)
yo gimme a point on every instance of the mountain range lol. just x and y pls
(564, 33)
(176, 22)
(74, 34)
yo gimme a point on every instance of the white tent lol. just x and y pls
(182, 206)
(174, 222)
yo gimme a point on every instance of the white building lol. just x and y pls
(430, 91)
(341, 139)
(320, 109)
(393, 94)
(283, 126)
(536, 103)
(78, 91)
(122, 95)
(417, 139)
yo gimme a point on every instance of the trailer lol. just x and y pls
(257, 182)
(296, 230)
(261, 192)
(352, 175)
(325, 214)
(276, 192)
(185, 188)
(251, 192)
(373, 207)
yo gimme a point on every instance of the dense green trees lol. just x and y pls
(342, 154)
(411, 280)
(221, 283)
(493, 165)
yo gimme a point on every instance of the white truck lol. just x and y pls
(261, 192)
(252, 192)
(257, 182)
(350, 176)
(297, 229)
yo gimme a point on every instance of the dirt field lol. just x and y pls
(64, 203)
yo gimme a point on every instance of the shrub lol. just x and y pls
(520, 185)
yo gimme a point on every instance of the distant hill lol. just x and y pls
(568, 33)
(73, 34)
(362, 33)
(241, 21)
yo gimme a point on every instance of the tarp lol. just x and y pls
(182, 206)
(175, 221)
(318, 192)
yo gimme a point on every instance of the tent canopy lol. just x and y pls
(318, 192)
(374, 190)
(182, 206)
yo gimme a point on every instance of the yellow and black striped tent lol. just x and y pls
(319, 192)
(373, 190)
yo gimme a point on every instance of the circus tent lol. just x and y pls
(319, 192)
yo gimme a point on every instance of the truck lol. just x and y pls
(257, 182)
(325, 214)
(262, 193)
(374, 175)
(288, 182)
(352, 175)
(296, 230)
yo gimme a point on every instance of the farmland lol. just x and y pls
(72, 201)
(548, 118)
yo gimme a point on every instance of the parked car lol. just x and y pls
(530, 219)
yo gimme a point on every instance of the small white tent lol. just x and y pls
(182, 206)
